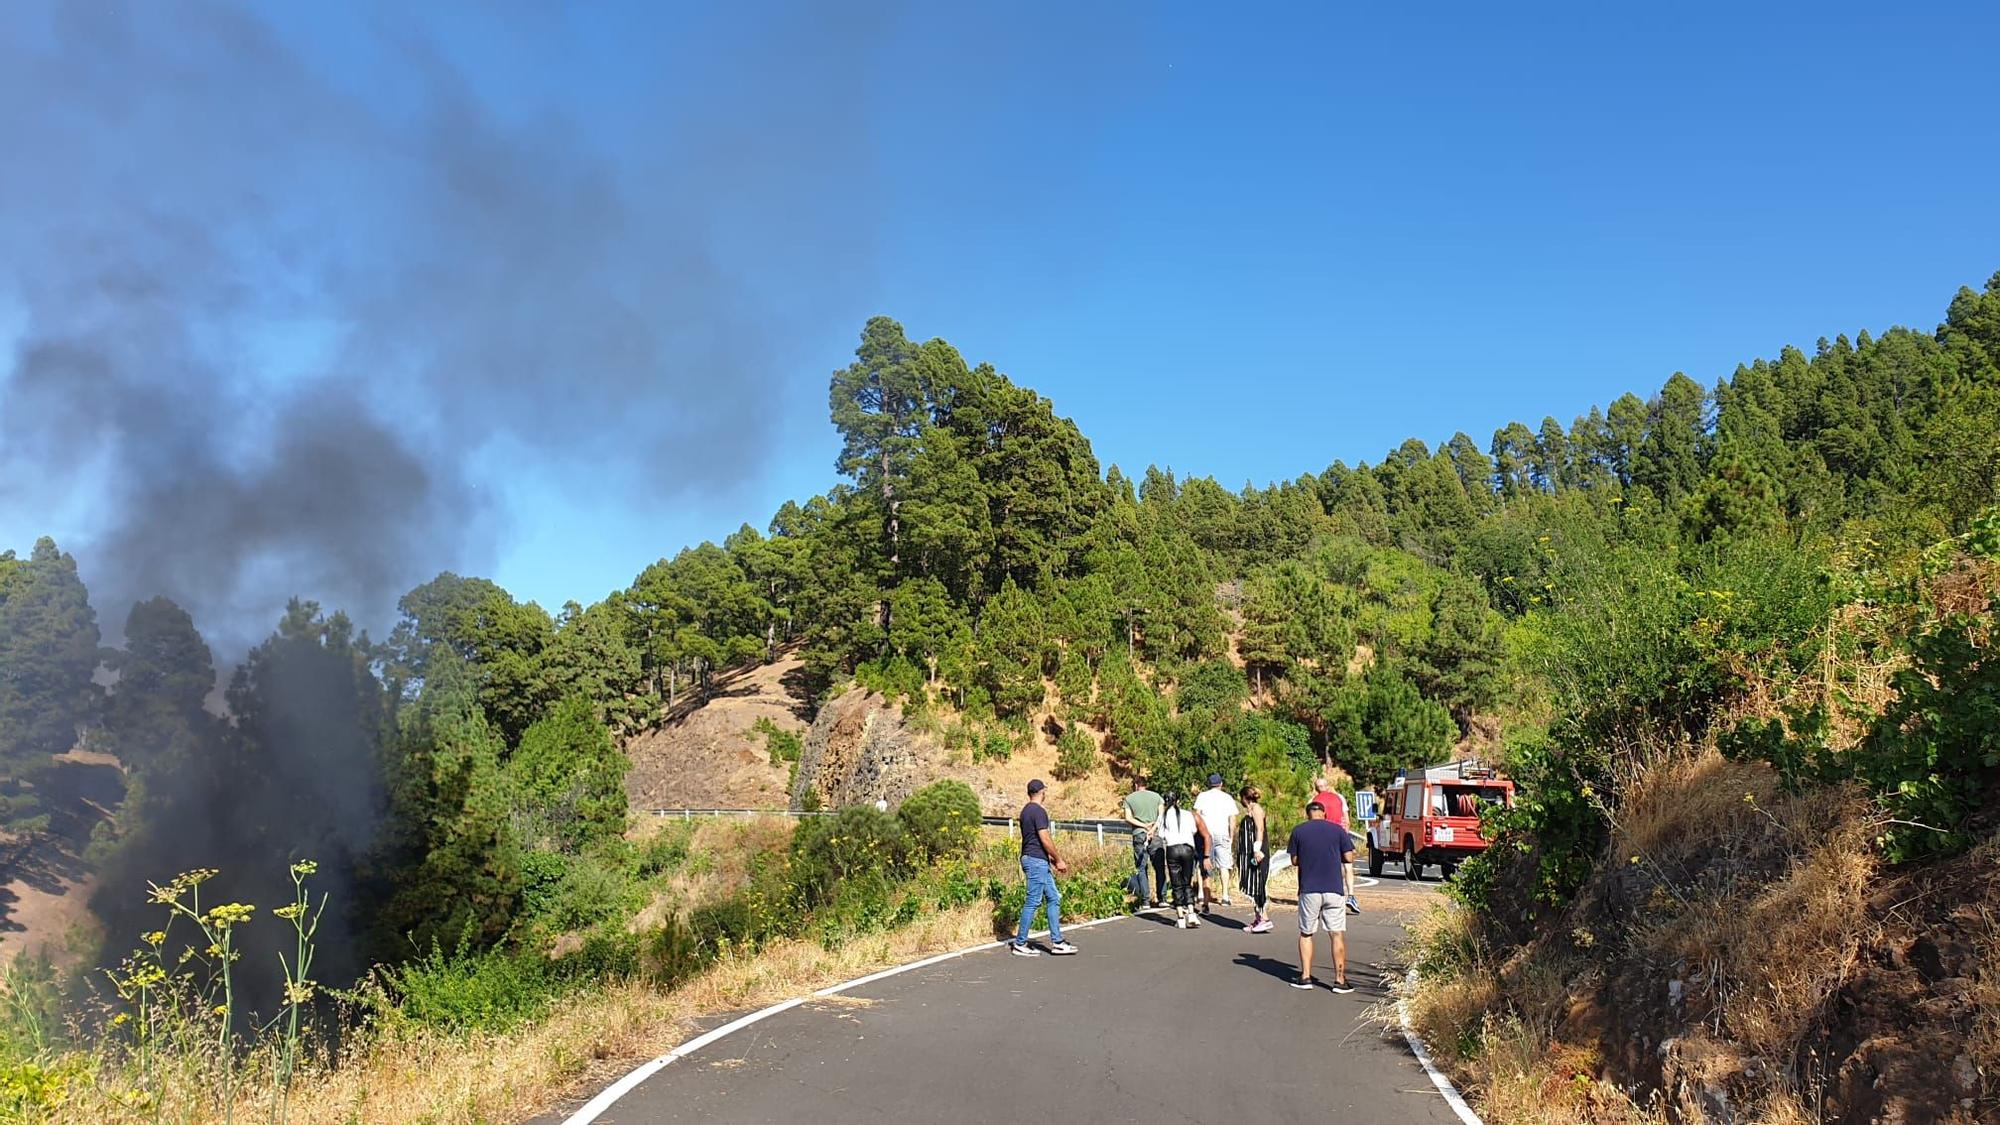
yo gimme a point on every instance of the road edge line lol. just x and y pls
(606, 1098)
(1438, 1077)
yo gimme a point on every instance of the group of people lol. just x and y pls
(1195, 850)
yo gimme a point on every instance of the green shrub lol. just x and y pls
(1075, 756)
(666, 851)
(33, 1089)
(783, 745)
(865, 904)
(1472, 885)
(1642, 649)
(940, 821)
(993, 746)
(856, 842)
(672, 952)
(586, 890)
(542, 874)
(1085, 896)
(471, 990)
(897, 677)
(1932, 757)
(607, 954)
(955, 887)
(570, 776)
(769, 907)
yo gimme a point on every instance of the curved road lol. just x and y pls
(1147, 1022)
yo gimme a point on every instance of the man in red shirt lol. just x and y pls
(1334, 804)
(1336, 811)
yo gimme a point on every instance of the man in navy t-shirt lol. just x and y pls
(1321, 850)
(1038, 855)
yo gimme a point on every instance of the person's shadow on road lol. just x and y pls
(1283, 970)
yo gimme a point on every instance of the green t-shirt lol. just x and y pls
(1144, 805)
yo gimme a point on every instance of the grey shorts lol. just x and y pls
(1221, 857)
(1322, 912)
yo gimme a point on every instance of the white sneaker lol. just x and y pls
(1019, 950)
(1062, 949)
(1194, 920)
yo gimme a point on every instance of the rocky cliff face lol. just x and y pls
(858, 751)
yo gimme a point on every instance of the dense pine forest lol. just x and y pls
(1557, 596)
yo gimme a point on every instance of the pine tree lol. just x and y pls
(48, 653)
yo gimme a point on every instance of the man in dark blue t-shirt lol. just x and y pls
(1038, 855)
(1321, 850)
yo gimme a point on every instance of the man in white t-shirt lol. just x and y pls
(1218, 810)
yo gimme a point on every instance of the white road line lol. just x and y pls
(595, 1107)
(1444, 1086)
(1363, 882)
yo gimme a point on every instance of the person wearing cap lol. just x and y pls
(1336, 811)
(1038, 857)
(1217, 809)
(1321, 850)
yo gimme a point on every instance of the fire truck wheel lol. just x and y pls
(1411, 870)
(1375, 862)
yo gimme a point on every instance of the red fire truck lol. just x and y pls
(1432, 817)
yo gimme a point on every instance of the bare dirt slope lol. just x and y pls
(1003, 786)
(705, 755)
(45, 887)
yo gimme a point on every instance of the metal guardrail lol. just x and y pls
(1098, 828)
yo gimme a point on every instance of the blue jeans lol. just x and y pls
(1041, 888)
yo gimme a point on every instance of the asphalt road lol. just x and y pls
(1146, 1023)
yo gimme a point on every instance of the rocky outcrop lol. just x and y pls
(859, 751)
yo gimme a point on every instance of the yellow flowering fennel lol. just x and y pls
(144, 972)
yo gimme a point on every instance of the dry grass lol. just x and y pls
(1758, 901)
(405, 1075)
(1680, 805)
(1779, 910)
(1494, 1030)
(402, 1073)
(1984, 1042)
(1776, 958)
(425, 1077)
(720, 852)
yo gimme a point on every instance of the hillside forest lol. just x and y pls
(1566, 597)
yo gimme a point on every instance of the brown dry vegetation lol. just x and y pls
(720, 851)
(1742, 954)
(419, 1076)
(1746, 960)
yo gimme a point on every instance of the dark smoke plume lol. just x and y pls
(267, 335)
(266, 328)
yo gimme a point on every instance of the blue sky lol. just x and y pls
(1238, 242)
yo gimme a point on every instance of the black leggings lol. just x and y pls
(1180, 865)
(1253, 878)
